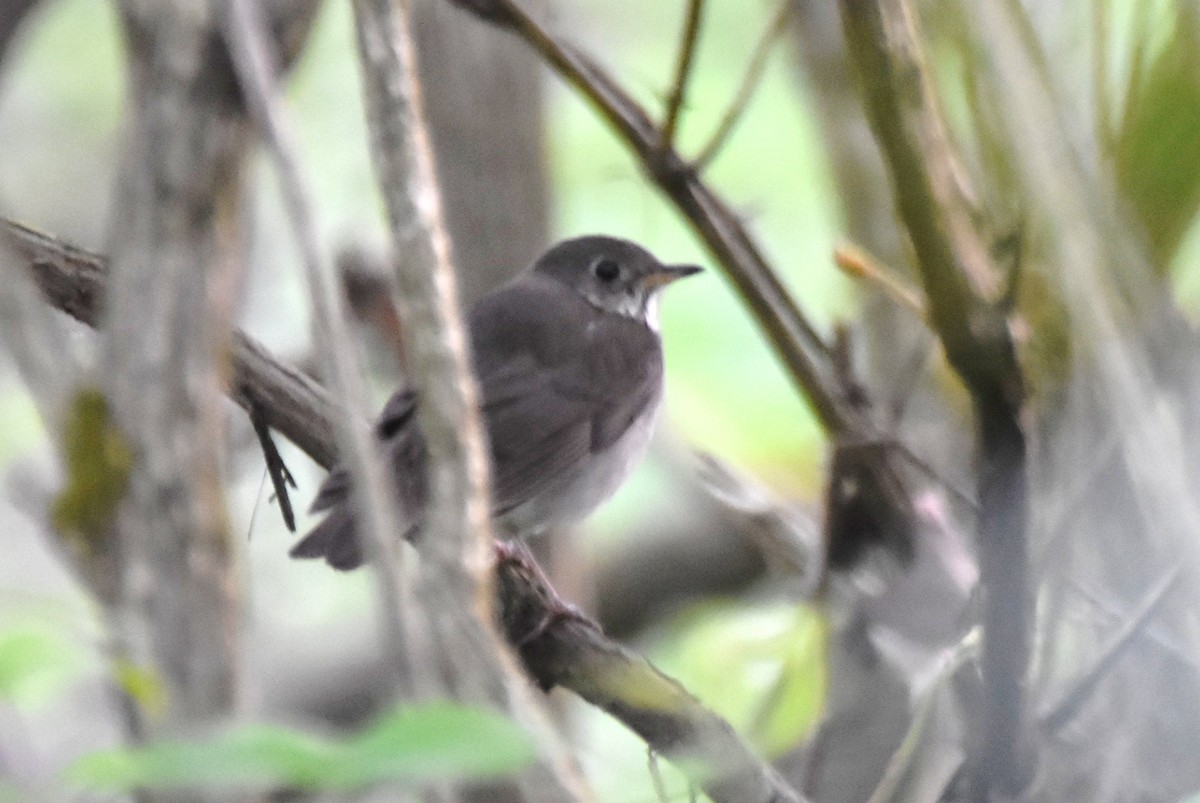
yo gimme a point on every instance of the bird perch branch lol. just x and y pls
(556, 649)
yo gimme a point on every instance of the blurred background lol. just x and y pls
(523, 163)
(546, 170)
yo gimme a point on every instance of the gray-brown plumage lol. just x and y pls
(570, 368)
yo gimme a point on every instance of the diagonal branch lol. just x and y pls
(793, 338)
(556, 650)
(807, 357)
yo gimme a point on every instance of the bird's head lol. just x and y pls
(613, 275)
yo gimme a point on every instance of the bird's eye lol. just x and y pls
(606, 270)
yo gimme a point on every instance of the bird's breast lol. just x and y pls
(586, 486)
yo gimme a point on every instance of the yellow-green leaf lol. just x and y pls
(98, 462)
(1158, 144)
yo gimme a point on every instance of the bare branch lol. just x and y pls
(560, 647)
(683, 71)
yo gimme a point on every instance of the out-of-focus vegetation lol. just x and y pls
(414, 744)
(760, 663)
(60, 124)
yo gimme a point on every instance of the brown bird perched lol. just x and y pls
(570, 368)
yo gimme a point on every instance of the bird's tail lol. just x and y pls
(335, 539)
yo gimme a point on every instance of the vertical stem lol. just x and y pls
(936, 204)
(683, 71)
(378, 526)
(1003, 562)
(456, 547)
(167, 332)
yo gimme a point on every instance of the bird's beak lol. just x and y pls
(665, 274)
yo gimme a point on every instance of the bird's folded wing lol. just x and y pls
(545, 417)
(537, 433)
(404, 447)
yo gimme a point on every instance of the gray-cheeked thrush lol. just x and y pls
(570, 369)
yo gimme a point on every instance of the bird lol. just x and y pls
(569, 363)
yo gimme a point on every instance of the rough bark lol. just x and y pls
(166, 328)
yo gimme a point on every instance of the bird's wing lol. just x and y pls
(559, 382)
(393, 428)
(335, 538)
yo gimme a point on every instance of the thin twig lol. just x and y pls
(856, 263)
(901, 764)
(255, 66)
(1108, 607)
(656, 778)
(683, 71)
(755, 69)
(277, 470)
(1065, 709)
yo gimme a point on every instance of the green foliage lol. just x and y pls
(763, 668)
(22, 424)
(143, 686)
(10, 793)
(98, 461)
(1158, 144)
(34, 663)
(413, 744)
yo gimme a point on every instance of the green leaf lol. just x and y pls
(98, 463)
(143, 685)
(436, 740)
(761, 667)
(251, 755)
(413, 744)
(1158, 144)
(33, 664)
